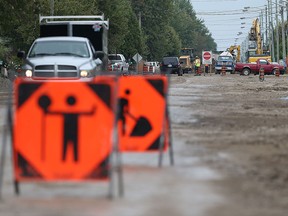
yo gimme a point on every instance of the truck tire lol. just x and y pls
(246, 72)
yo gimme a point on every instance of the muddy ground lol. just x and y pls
(230, 137)
(241, 130)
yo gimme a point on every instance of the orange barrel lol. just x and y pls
(223, 71)
(145, 68)
(277, 72)
(261, 74)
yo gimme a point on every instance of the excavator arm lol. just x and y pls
(255, 35)
(237, 48)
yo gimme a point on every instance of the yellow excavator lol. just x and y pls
(232, 49)
(255, 52)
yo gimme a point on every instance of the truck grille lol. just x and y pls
(56, 71)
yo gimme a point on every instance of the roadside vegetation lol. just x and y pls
(153, 28)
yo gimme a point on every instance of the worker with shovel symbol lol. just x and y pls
(142, 126)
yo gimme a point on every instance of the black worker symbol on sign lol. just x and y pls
(70, 125)
(142, 126)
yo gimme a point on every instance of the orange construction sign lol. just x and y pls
(62, 129)
(141, 114)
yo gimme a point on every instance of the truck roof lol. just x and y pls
(184, 57)
(226, 53)
(64, 38)
(79, 20)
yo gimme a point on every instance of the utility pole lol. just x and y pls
(283, 32)
(52, 7)
(287, 21)
(277, 31)
(262, 30)
(140, 20)
(271, 31)
(266, 28)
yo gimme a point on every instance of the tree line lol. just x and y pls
(152, 28)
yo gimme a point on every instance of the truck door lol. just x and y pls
(265, 64)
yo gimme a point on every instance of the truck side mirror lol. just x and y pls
(99, 55)
(21, 54)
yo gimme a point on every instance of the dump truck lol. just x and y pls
(225, 62)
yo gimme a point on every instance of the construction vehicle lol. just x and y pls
(225, 62)
(187, 52)
(232, 49)
(186, 59)
(255, 48)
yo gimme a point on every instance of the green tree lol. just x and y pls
(153, 28)
(75, 7)
(117, 12)
(134, 40)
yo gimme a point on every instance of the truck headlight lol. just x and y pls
(84, 73)
(28, 73)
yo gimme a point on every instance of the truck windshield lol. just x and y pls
(170, 60)
(114, 57)
(57, 48)
(225, 58)
(183, 61)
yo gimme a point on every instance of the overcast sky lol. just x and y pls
(222, 18)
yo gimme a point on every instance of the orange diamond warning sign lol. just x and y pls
(141, 114)
(62, 130)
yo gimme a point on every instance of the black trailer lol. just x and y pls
(95, 28)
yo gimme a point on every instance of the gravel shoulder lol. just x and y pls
(241, 130)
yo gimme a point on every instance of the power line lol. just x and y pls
(212, 0)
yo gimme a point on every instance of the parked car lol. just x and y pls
(118, 62)
(155, 65)
(170, 65)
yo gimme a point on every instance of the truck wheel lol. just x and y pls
(246, 72)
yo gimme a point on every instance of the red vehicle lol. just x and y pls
(269, 68)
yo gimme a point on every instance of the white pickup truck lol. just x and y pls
(69, 47)
(66, 57)
(117, 62)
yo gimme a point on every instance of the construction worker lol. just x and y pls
(206, 68)
(197, 64)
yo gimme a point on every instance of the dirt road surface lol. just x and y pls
(231, 156)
